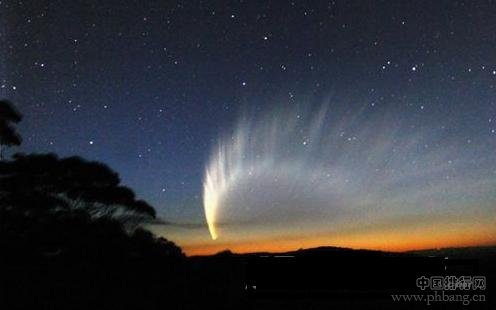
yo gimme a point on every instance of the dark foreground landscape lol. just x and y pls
(145, 273)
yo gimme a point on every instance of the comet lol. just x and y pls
(310, 168)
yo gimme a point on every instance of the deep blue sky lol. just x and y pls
(146, 86)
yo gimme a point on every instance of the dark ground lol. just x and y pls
(321, 278)
(325, 278)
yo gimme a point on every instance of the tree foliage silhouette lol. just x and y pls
(70, 225)
(45, 183)
(8, 134)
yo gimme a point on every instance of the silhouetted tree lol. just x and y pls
(44, 183)
(8, 134)
(70, 236)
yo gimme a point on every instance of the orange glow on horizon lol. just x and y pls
(440, 236)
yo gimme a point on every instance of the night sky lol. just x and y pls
(257, 94)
